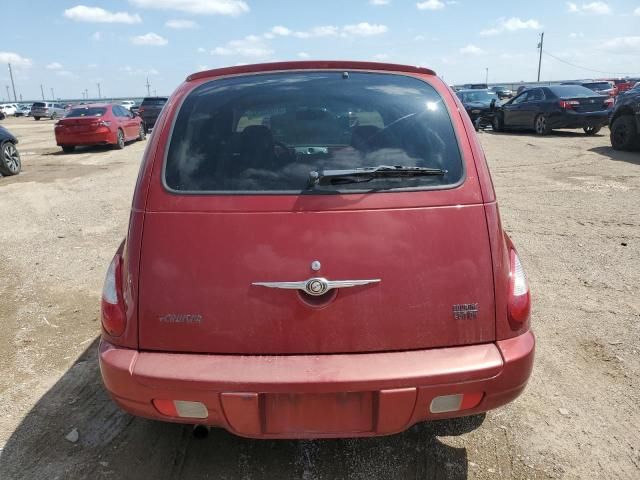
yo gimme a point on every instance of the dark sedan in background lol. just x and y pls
(9, 157)
(480, 105)
(149, 111)
(558, 106)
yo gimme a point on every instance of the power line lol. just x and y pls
(587, 68)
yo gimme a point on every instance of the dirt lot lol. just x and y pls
(571, 204)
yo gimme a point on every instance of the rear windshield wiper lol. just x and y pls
(366, 174)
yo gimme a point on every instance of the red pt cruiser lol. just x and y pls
(314, 250)
(98, 124)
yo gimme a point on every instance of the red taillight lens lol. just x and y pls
(104, 123)
(519, 306)
(568, 104)
(114, 318)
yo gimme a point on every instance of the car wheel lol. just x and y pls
(624, 135)
(10, 163)
(141, 132)
(496, 124)
(68, 148)
(542, 126)
(120, 140)
(591, 130)
(36, 118)
(54, 116)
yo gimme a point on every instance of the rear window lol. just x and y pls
(266, 133)
(87, 112)
(571, 91)
(598, 85)
(154, 101)
(39, 104)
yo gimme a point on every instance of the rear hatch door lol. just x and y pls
(205, 245)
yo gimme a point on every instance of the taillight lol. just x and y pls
(568, 104)
(114, 317)
(104, 123)
(519, 303)
(609, 102)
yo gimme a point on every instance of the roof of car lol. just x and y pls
(92, 105)
(475, 90)
(308, 65)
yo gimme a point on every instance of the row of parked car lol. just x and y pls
(85, 125)
(573, 105)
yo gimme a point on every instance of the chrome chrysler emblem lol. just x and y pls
(316, 286)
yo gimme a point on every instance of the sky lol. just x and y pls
(71, 46)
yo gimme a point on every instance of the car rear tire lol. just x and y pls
(141, 132)
(119, 140)
(36, 118)
(624, 135)
(68, 148)
(10, 163)
(496, 124)
(54, 116)
(590, 131)
(541, 125)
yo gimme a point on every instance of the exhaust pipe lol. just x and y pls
(201, 431)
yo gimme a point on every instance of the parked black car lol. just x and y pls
(480, 105)
(558, 106)
(9, 157)
(150, 109)
(624, 121)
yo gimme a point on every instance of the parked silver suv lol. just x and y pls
(47, 109)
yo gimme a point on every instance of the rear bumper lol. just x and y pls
(88, 138)
(314, 396)
(571, 119)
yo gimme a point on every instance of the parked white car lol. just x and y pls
(127, 104)
(9, 109)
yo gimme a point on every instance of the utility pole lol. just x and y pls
(540, 58)
(53, 95)
(99, 93)
(486, 77)
(13, 85)
(148, 88)
(42, 91)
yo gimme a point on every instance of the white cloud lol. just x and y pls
(379, 2)
(139, 71)
(303, 55)
(15, 60)
(419, 38)
(624, 45)
(511, 25)
(200, 7)
(97, 36)
(596, 8)
(636, 12)
(430, 5)
(364, 29)
(201, 50)
(82, 13)
(251, 46)
(150, 39)
(179, 24)
(54, 66)
(280, 30)
(472, 50)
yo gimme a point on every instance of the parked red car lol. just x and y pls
(314, 250)
(98, 124)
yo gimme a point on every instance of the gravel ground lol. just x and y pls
(572, 206)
